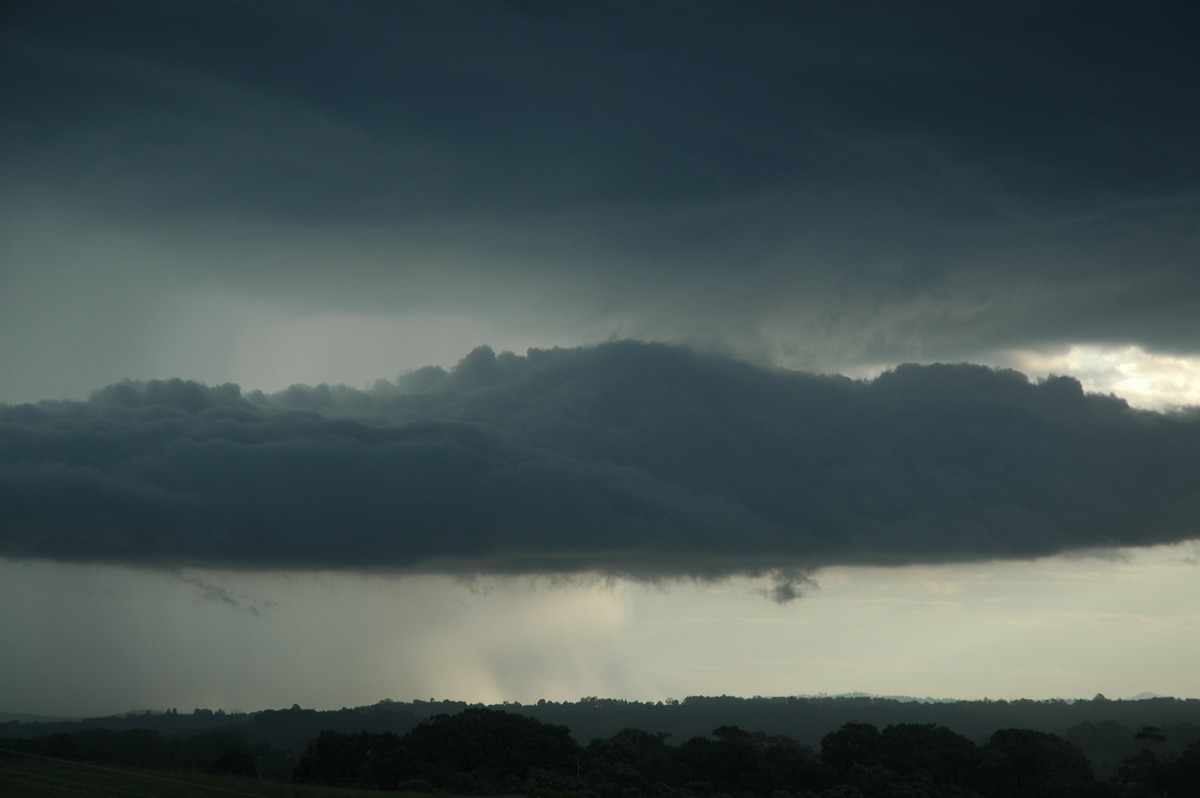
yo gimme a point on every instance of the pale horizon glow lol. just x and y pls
(233, 640)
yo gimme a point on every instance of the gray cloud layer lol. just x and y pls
(625, 458)
(827, 184)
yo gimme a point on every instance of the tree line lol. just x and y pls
(488, 752)
(484, 751)
(1103, 728)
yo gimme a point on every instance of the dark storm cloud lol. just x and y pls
(626, 458)
(868, 181)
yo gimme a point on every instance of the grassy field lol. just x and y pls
(22, 777)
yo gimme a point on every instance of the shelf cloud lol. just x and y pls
(630, 459)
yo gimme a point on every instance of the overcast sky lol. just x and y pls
(577, 332)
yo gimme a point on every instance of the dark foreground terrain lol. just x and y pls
(773, 748)
(22, 777)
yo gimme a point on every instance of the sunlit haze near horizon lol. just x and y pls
(330, 640)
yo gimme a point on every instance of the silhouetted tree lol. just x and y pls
(948, 758)
(748, 762)
(490, 744)
(1184, 776)
(854, 744)
(334, 759)
(1020, 763)
(630, 758)
(1143, 773)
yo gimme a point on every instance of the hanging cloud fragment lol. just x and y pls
(631, 459)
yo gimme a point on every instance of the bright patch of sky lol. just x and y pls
(1147, 380)
(1144, 379)
(1058, 627)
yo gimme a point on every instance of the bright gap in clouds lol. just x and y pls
(1144, 379)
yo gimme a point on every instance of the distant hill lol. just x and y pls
(804, 718)
(21, 717)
